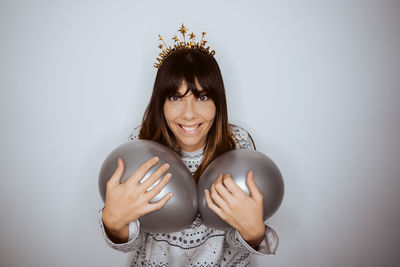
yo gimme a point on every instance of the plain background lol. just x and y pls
(316, 83)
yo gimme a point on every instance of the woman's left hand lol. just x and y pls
(237, 208)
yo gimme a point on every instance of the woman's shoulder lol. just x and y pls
(134, 135)
(242, 138)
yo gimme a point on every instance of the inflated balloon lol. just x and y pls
(238, 163)
(181, 210)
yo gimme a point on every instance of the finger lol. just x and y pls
(221, 189)
(155, 176)
(233, 187)
(159, 187)
(159, 204)
(211, 204)
(217, 198)
(118, 172)
(142, 170)
(254, 191)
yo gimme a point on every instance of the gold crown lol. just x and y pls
(192, 44)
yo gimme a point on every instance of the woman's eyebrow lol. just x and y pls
(176, 93)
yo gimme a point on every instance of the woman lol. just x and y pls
(188, 113)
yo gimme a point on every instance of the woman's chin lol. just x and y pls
(187, 146)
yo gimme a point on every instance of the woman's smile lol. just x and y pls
(190, 129)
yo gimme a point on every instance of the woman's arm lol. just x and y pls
(116, 235)
(121, 226)
(259, 245)
(133, 242)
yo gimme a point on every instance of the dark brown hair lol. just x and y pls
(189, 64)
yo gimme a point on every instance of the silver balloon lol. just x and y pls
(238, 163)
(181, 210)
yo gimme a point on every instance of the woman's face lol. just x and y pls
(189, 118)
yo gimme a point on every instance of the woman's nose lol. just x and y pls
(189, 110)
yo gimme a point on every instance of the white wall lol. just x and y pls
(315, 82)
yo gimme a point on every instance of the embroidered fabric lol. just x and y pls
(197, 245)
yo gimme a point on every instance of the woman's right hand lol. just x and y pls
(128, 201)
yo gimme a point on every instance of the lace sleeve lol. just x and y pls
(268, 245)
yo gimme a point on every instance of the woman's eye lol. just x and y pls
(174, 98)
(203, 97)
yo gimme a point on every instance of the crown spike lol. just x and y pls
(175, 38)
(183, 30)
(191, 36)
(203, 33)
(162, 39)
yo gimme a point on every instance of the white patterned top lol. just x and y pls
(197, 245)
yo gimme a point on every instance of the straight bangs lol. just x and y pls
(188, 67)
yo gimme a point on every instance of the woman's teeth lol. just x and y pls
(190, 128)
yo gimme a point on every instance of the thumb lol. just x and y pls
(116, 177)
(254, 191)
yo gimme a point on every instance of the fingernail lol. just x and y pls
(156, 158)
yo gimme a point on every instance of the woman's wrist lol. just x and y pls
(253, 238)
(110, 223)
(255, 242)
(118, 236)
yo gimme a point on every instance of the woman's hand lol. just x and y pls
(128, 201)
(237, 208)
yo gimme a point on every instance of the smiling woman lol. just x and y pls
(189, 91)
(187, 112)
(190, 118)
